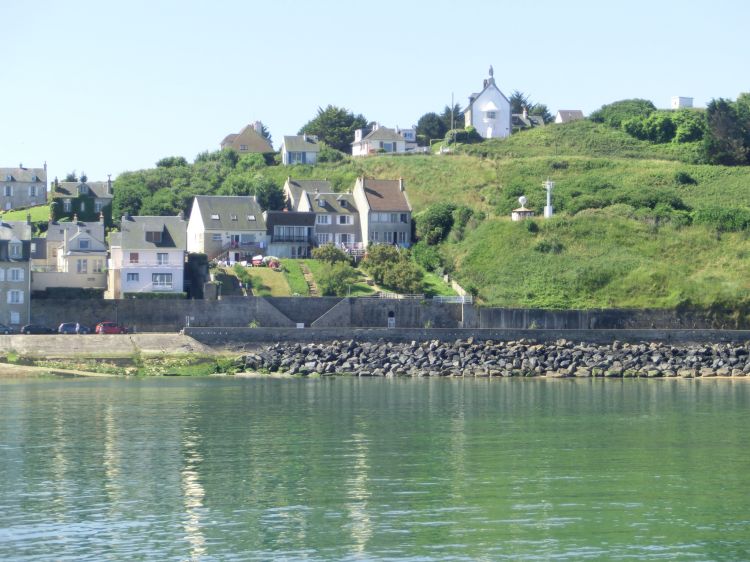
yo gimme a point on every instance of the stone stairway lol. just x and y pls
(309, 280)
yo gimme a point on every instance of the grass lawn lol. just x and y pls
(266, 282)
(40, 213)
(294, 278)
(435, 286)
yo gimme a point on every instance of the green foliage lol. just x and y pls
(426, 256)
(727, 139)
(379, 258)
(614, 114)
(69, 293)
(335, 126)
(295, 278)
(723, 219)
(468, 135)
(336, 279)
(241, 273)
(250, 162)
(171, 162)
(330, 254)
(328, 154)
(519, 100)
(71, 176)
(393, 268)
(269, 194)
(453, 117)
(684, 178)
(690, 123)
(435, 222)
(431, 126)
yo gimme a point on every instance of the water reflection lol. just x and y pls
(360, 526)
(192, 493)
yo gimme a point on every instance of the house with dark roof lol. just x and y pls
(230, 228)
(86, 200)
(488, 111)
(568, 115)
(524, 120)
(385, 213)
(297, 191)
(15, 275)
(249, 140)
(299, 149)
(147, 256)
(22, 187)
(377, 140)
(72, 254)
(290, 234)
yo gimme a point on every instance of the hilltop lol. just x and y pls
(638, 224)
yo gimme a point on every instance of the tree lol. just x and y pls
(542, 111)
(393, 268)
(266, 134)
(71, 176)
(328, 154)
(458, 121)
(270, 196)
(406, 277)
(330, 253)
(337, 279)
(84, 177)
(335, 126)
(724, 142)
(518, 100)
(615, 113)
(430, 126)
(171, 162)
(435, 223)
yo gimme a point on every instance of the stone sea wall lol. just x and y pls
(478, 358)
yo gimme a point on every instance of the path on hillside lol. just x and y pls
(309, 279)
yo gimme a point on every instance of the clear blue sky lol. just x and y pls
(107, 87)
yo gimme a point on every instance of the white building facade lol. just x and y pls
(489, 111)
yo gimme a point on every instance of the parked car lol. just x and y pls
(110, 328)
(36, 329)
(6, 329)
(73, 328)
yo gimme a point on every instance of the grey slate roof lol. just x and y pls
(568, 115)
(23, 174)
(56, 230)
(383, 134)
(228, 208)
(333, 203)
(19, 230)
(70, 189)
(517, 120)
(301, 143)
(285, 218)
(385, 195)
(296, 187)
(132, 235)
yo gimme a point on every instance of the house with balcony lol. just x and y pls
(299, 149)
(377, 140)
(87, 200)
(488, 111)
(22, 187)
(290, 234)
(73, 254)
(228, 228)
(147, 256)
(15, 278)
(385, 213)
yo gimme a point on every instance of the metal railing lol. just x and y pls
(466, 299)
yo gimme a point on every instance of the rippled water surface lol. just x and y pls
(350, 469)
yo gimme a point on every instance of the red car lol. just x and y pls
(110, 328)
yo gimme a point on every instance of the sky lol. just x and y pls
(108, 86)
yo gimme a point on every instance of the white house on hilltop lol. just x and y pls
(489, 111)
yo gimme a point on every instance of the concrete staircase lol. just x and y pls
(309, 279)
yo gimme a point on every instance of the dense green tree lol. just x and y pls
(329, 154)
(614, 114)
(435, 222)
(542, 111)
(724, 142)
(518, 100)
(253, 161)
(171, 162)
(458, 121)
(405, 277)
(270, 196)
(691, 125)
(164, 202)
(393, 267)
(335, 126)
(430, 126)
(330, 253)
(336, 280)
(71, 176)
(128, 195)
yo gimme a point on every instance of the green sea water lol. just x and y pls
(374, 469)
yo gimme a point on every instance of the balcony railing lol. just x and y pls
(305, 239)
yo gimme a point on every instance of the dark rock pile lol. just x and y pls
(495, 358)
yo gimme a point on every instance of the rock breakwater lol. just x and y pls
(471, 358)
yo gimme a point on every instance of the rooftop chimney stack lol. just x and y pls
(109, 184)
(401, 183)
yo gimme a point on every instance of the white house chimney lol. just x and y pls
(525, 112)
(401, 183)
(258, 126)
(109, 184)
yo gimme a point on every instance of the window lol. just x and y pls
(67, 206)
(491, 115)
(216, 237)
(32, 191)
(15, 249)
(247, 239)
(98, 206)
(2, 274)
(133, 257)
(15, 317)
(98, 266)
(402, 237)
(322, 219)
(215, 216)
(161, 280)
(84, 244)
(251, 217)
(375, 236)
(321, 202)
(83, 206)
(162, 258)
(393, 217)
(345, 219)
(345, 238)
(83, 189)
(82, 266)
(8, 190)
(15, 297)
(243, 147)
(234, 217)
(296, 157)
(16, 274)
(404, 217)
(133, 277)
(153, 236)
(323, 237)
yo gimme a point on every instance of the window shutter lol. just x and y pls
(20, 297)
(20, 274)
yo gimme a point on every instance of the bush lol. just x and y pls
(549, 247)
(426, 256)
(405, 277)
(683, 178)
(435, 222)
(69, 293)
(468, 135)
(379, 258)
(614, 114)
(723, 219)
(328, 154)
(242, 274)
(393, 268)
(335, 281)
(331, 254)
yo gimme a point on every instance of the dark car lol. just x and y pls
(110, 328)
(36, 329)
(73, 328)
(6, 329)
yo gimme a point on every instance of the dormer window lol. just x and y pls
(251, 217)
(15, 249)
(153, 236)
(491, 115)
(84, 244)
(234, 217)
(34, 178)
(83, 189)
(8, 177)
(343, 202)
(215, 216)
(321, 203)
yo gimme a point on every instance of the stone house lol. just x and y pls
(73, 254)
(15, 277)
(22, 187)
(147, 256)
(86, 200)
(299, 149)
(226, 227)
(489, 111)
(249, 140)
(385, 214)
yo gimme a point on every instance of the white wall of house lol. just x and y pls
(41, 280)
(289, 158)
(368, 147)
(135, 274)
(490, 114)
(195, 231)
